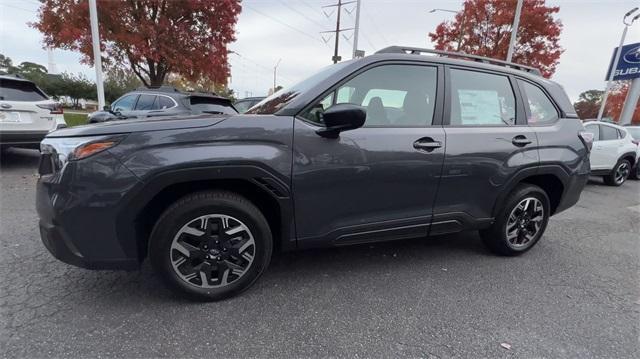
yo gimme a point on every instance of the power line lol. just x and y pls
(302, 14)
(337, 32)
(283, 23)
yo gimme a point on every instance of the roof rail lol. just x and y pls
(486, 60)
(163, 88)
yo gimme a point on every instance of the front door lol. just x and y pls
(378, 181)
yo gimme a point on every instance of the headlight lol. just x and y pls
(66, 149)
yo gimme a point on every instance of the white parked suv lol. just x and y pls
(614, 153)
(26, 113)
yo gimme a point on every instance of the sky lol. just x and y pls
(289, 31)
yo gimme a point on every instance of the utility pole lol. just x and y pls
(357, 29)
(275, 73)
(514, 30)
(336, 58)
(97, 58)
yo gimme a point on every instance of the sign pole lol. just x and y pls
(630, 102)
(97, 59)
(612, 74)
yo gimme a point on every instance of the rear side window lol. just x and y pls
(608, 133)
(541, 109)
(20, 91)
(211, 105)
(146, 102)
(595, 130)
(164, 103)
(481, 99)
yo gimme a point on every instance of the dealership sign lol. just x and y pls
(629, 63)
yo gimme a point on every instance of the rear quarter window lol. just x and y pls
(20, 91)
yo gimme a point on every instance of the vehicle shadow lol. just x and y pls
(289, 271)
(19, 158)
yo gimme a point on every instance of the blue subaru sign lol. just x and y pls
(629, 64)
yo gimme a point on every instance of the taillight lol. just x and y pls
(587, 139)
(636, 142)
(54, 108)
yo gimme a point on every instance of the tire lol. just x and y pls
(635, 172)
(499, 238)
(211, 245)
(619, 173)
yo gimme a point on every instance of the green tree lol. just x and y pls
(588, 104)
(77, 87)
(6, 65)
(119, 81)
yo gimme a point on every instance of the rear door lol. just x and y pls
(488, 142)
(19, 109)
(610, 144)
(597, 156)
(375, 182)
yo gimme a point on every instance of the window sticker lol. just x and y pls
(479, 107)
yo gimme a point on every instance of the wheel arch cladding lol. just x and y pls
(265, 191)
(629, 156)
(551, 184)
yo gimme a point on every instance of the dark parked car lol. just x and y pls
(162, 101)
(245, 104)
(391, 146)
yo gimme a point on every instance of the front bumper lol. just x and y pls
(77, 208)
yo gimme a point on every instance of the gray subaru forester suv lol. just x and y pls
(395, 145)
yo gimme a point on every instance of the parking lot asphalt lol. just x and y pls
(576, 294)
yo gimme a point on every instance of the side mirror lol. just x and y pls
(107, 108)
(342, 117)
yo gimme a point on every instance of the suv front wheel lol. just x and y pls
(211, 245)
(520, 223)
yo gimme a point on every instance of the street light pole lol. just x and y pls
(97, 58)
(615, 61)
(514, 30)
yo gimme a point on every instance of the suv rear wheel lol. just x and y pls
(211, 245)
(520, 223)
(619, 174)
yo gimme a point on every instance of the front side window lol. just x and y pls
(608, 133)
(481, 99)
(393, 96)
(126, 103)
(146, 103)
(540, 107)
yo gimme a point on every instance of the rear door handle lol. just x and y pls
(520, 141)
(427, 144)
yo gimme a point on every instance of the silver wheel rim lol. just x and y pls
(622, 172)
(524, 223)
(212, 251)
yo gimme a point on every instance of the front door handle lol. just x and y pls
(520, 141)
(427, 144)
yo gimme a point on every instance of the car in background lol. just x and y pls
(243, 105)
(634, 131)
(27, 114)
(614, 154)
(163, 101)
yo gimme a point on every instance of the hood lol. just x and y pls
(140, 125)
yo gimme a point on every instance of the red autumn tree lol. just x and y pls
(615, 102)
(483, 27)
(152, 37)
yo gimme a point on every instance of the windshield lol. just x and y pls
(634, 132)
(280, 99)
